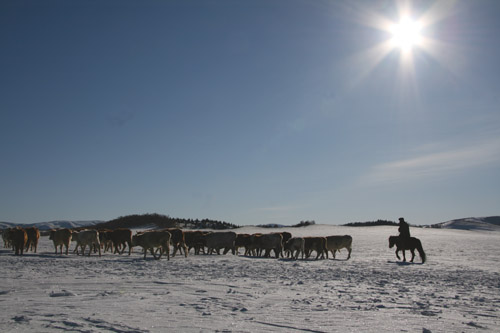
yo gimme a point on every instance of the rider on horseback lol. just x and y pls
(404, 228)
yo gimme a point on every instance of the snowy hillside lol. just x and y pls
(491, 223)
(456, 290)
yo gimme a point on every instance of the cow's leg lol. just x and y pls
(168, 253)
(161, 252)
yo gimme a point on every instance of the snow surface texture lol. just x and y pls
(456, 290)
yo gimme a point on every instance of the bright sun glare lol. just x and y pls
(406, 34)
(412, 33)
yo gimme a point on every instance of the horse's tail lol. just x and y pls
(420, 250)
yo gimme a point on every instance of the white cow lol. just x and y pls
(87, 237)
(335, 243)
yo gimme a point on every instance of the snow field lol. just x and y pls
(458, 289)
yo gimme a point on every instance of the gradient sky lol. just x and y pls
(250, 112)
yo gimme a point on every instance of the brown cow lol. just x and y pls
(18, 238)
(105, 239)
(269, 242)
(33, 237)
(196, 239)
(178, 241)
(61, 237)
(221, 240)
(243, 240)
(295, 244)
(317, 244)
(253, 248)
(6, 238)
(285, 237)
(122, 237)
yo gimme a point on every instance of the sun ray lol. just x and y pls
(367, 60)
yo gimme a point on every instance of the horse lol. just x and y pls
(411, 244)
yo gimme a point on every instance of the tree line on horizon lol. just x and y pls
(162, 221)
(370, 223)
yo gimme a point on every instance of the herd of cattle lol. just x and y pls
(159, 242)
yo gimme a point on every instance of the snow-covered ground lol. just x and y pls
(456, 290)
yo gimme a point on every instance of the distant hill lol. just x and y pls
(50, 225)
(471, 223)
(144, 221)
(157, 221)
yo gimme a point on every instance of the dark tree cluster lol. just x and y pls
(158, 221)
(304, 224)
(206, 224)
(370, 223)
(270, 226)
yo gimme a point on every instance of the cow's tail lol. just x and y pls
(420, 250)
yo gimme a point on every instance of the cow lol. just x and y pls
(269, 242)
(317, 244)
(87, 237)
(33, 237)
(105, 239)
(243, 240)
(221, 240)
(295, 244)
(6, 238)
(150, 240)
(335, 243)
(18, 238)
(60, 237)
(122, 237)
(178, 241)
(253, 247)
(196, 239)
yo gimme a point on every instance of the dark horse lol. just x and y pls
(403, 244)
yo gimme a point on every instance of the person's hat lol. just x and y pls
(401, 219)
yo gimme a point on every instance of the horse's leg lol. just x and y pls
(404, 255)
(397, 254)
(412, 254)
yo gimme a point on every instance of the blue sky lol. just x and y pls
(249, 112)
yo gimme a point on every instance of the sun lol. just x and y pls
(408, 38)
(406, 34)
